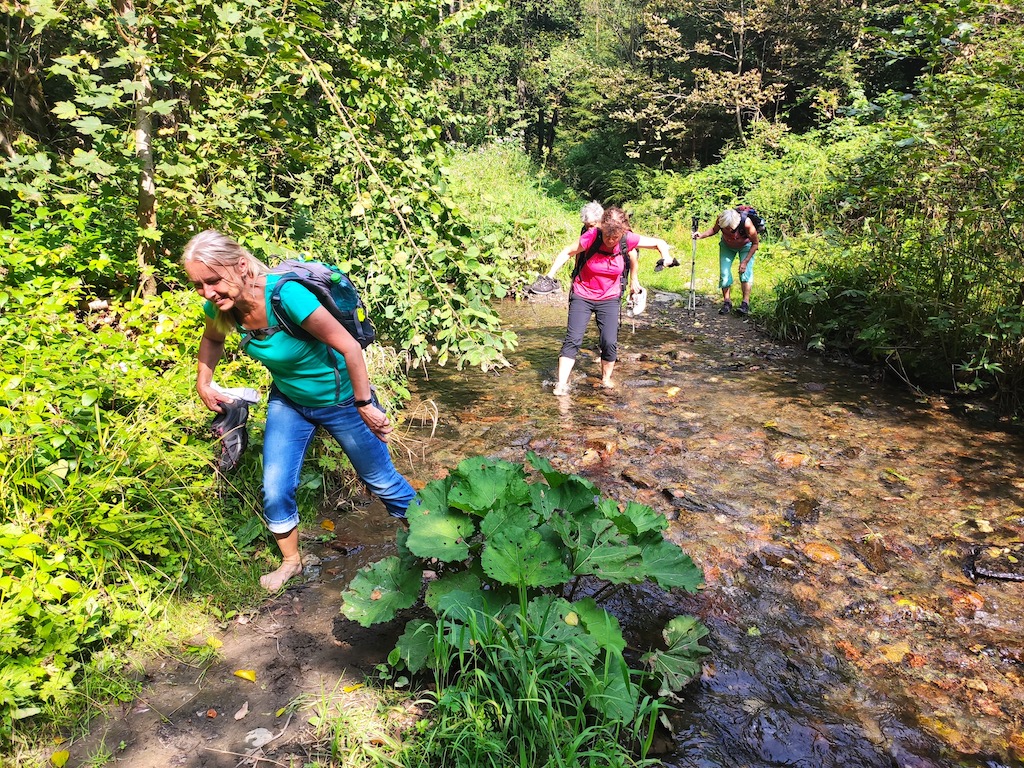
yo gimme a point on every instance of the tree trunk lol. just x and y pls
(147, 183)
(146, 210)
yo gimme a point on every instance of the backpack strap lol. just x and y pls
(624, 250)
(584, 257)
(285, 323)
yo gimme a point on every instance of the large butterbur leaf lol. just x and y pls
(524, 557)
(554, 624)
(487, 483)
(680, 661)
(416, 645)
(573, 497)
(599, 549)
(440, 534)
(610, 690)
(669, 566)
(600, 625)
(380, 590)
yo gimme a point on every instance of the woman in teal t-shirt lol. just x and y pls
(306, 392)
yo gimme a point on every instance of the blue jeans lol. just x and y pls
(289, 431)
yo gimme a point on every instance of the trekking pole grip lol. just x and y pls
(693, 224)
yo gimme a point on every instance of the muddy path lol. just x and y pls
(835, 518)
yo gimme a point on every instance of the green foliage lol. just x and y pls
(511, 555)
(926, 261)
(289, 128)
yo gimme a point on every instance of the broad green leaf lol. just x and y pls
(680, 662)
(416, 645)
(89, 125)
(600, 624)
(549, 625)
(637, 519)
(506, 517)
(486, 481)
(442, 535)
(670, 567)
(574, 496)
(610, 691)
(523, 557)
(464, 580)
(90, 161)
(379, 591)
(599, 549)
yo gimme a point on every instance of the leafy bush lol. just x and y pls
(520, 644)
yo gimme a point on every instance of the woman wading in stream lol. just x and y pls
(597, 288)
(306, 393)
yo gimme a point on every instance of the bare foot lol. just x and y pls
(608, 384)
(273, 581)
(560, 390)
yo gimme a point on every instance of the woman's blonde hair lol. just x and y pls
(218, 250)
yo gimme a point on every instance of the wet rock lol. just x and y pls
(642, 383)
(813, 386)
(773, 556)
(871, 552)
(821, 553)
(683, 500)
(804, 510)
(1005, 563)
(640, 478)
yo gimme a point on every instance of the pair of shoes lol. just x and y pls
(229, 428)
(726, 308)
(545, 284)
(744, 309)
(560, 391)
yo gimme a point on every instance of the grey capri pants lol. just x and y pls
(606, 313)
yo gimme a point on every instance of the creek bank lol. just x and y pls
(832, 518)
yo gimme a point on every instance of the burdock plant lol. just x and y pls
(522, 653)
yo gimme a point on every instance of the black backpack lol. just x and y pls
(583, 258)
(336, 294)
(749, 212)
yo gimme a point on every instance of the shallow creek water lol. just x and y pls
(832, 516)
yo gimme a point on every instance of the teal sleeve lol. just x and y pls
(209, 310)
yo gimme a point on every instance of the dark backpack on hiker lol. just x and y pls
(583, 258)
(332, 289)
(335, 293)
(749, 212)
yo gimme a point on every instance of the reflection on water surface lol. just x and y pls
(833, 519)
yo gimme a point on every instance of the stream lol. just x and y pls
(835, 517)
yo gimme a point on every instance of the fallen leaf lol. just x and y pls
(246, 674)
(672, 391)
(242, 712)
(376, 594)
(258, 737)
(572, 618)
(983, 525)
(790, 460)
(214, 643)
(350, 688)
(327, 525)
(211, 713)
(60, 758)
(281, 711)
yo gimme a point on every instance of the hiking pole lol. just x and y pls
(691, 304)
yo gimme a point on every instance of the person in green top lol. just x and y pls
(305, 392)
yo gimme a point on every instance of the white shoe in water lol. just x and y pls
(637, 303)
